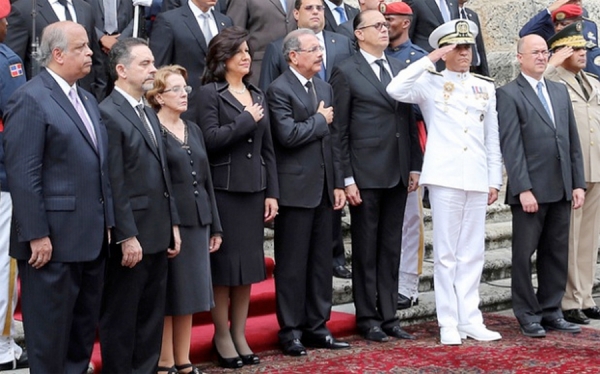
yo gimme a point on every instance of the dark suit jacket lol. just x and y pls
(338, 48)
(172, 4)
(426, 18)
(192, 185)
(307, 154)
(58, 178)
(378, 136)
(240, 150)
(538, 156)
(266, 21)
(482, 68)
(19, 38)
(330, 24)
(139, 176)
(124, 17)
(177, 39)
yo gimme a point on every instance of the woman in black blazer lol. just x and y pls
(234, 120)
(189, 284)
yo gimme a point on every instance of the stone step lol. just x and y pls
(497, 266)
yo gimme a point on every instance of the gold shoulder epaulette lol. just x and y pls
(435, 72)
(483, 77)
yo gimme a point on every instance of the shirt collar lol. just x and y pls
(197, 11)
(300, 77)
(133, 102)
(64, 86)
(532, 81)
(370, 58)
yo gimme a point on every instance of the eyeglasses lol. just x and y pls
(309, 8)
(544, 53)
(379, 26)
(178, 89)
(315, 49)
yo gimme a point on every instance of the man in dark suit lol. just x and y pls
(309, 14)
(427, 16)
(347, 28)
(19, 37)
(180, 37)
(336, 13)
(479, 64)
(379, 148)
(310, 187)
(542, 155)
(146, 219)
(265, 20)
(56, 157)
(112, 23)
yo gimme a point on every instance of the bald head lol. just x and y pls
(532, 53)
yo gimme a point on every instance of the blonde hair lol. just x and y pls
(160, 83)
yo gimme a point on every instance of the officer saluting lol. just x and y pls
(11, 77)
(462, 169)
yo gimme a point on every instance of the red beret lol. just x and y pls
(567, 11)
(399, 7)
(4, 8)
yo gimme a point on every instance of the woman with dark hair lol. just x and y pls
(234, 119)
(189, 284)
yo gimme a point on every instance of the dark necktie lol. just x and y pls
(585, 93)
(68, 16)
(384, 76)
(312, 95)
(140, 110)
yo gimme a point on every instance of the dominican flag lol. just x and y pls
(16, 70)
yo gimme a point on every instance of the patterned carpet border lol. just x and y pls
(557, 353)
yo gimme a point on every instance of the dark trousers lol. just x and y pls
(376, 244)
(303, 272)
(339, 255)
(547, 230)
(61, 307)
(133, 310)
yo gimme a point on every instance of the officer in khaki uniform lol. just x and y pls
(566, 66)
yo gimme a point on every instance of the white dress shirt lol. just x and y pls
(198, 13)
(59, 10)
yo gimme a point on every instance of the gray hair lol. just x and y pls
(53, 37)
(291, 42)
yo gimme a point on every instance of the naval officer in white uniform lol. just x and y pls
(462, 169)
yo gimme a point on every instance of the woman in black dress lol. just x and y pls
(189, 284)
(234, 120)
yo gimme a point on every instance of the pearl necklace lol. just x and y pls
(239, 92)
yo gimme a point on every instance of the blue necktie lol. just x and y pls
(444, 10)
(540, 94)
(340, 10)
(284, 5)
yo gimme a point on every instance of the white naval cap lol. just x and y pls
(457, 31)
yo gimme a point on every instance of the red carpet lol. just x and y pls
(261, 329)
(557, 353)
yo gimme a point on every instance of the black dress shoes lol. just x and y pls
(397, 332)
(293, 348)
(227, 362)
(375, 334)
(533, 330)
(342, 272)
(560, 324)
(21, 363)
(576, 316)
(593, 312)
(406, 302)
(327, 342)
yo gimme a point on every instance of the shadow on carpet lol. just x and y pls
(557, 353)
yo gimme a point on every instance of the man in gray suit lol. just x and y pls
(57, 166)
(542, 155)
(265, 20)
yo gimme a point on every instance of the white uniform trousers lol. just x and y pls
(411, 257)
(9, 350)
(458, 253)
(583, 251)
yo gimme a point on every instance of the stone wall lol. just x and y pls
(501, 21)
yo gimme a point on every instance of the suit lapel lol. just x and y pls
(220, 20)
(65, 103)
(277, 5)
(47, 13)
(594, 92)
(534, 100)
(453, 8)
(435, 10)
(330, 44)
(571, 82)
(300, 91)
(365, 69)
(131, 115)
(192, 24)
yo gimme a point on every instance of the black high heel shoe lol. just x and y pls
(250, 359)
(227, 362)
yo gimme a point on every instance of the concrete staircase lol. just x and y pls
(495, 281)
